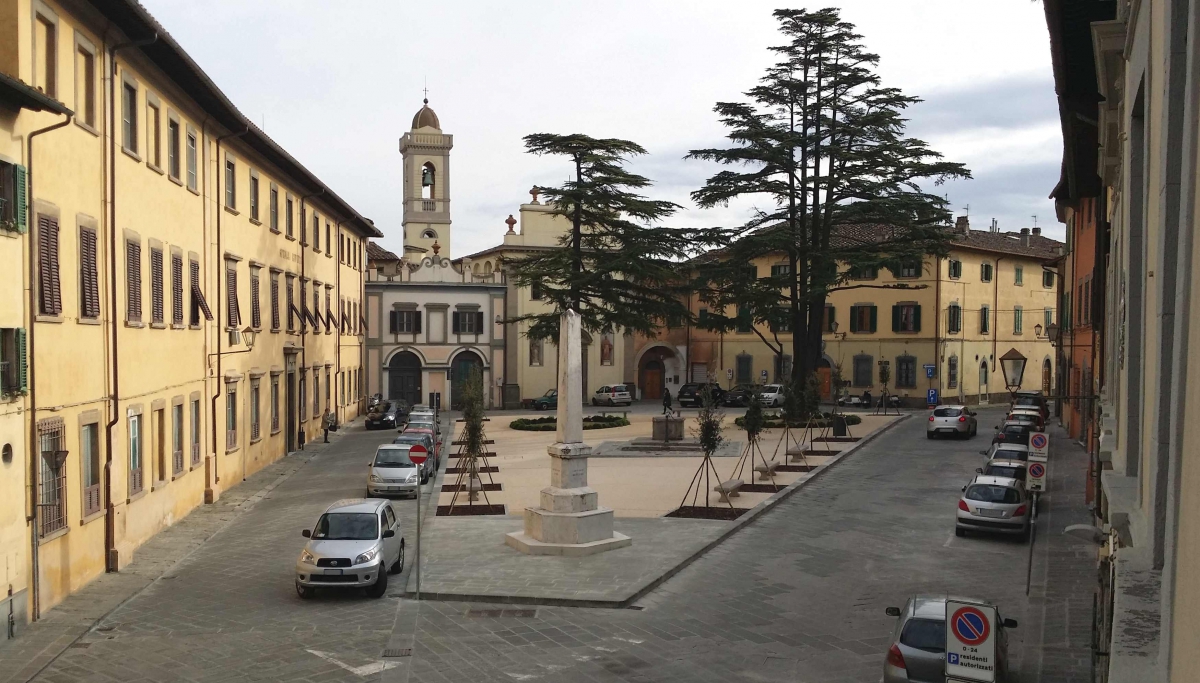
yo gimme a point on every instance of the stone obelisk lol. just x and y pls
(570, 520)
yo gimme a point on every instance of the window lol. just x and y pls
(231, 416)
(955, 269)
(89, 275)
(157, 314)
(782, 321)
(274, 403)
(985, 319)
(135, 454)
(49, 291)
(952, 372)
(177, 289)
(287, 217)
(291, 306)
(906, 318)
(173, 149)
(253, 196)
(129, 117)
(153, 133)
(328, 240)
(159, 444)
(328, 385)
(52, 499)
(195, 432)
(1048, 279)
(328, 309)
(863, 318)
(89, 459)
(405, 322)
(954, 319)
(45, 76)
(535, 290)
(255, 307)
(781, 270)
(316, 307)
(85, 83)
(255, 426)
(177, 438)
(303, 226)
(745, 320)
(1018, 275)
(745, 369)
(231, 295)
(985, 272)
(14, 365)
(199, 304)
(302, 400)
(906, 372)
(274, 300)
(274, 208)
(463, 322)
(864, 371)
(230, 182)
(316, 392)
(1018, 320)
(864, 273)
(537, 350)
(191, 161)
(316, 231)
(133, 281)
(1048, 319)
(909, 269)
(12, 197)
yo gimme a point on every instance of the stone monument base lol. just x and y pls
(569, 522)
(531, 546)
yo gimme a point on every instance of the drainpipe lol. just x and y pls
(303, 299)
(995, 312)
(337, 286)
(220, 391)
(31, 384)
(110, 529)
(937, 324)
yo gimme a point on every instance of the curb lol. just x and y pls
(628, 603)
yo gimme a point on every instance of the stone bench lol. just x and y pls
(728, 489)
(766, 470)
(623, 413)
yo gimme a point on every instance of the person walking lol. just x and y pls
(666, 401)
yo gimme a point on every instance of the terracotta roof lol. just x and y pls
(15, 91)
(500, 248)
(378, 253)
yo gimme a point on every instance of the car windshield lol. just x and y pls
(619, 387)
(947, 412)
(1010, 471)
(990, 493)
(1011, 455)
(410, 438)
(393, 457)
(925, 634)
(688, 388)
(1028, 401)
(344, 526)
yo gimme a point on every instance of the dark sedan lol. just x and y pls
(386, 415)
(692, 394)
(740, 395)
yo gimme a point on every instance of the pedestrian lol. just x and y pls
(666, 401)
(866, 397)
(326, 422)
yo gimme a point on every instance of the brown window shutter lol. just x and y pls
(231, 297)
(479, 322)
(417, 322)
(274, 302)
(89, 287)
(50, 299)
(176, 289)
(393, 322)
(133, 281)
(454, 322)
(199, 303)
(156, 286)
(255, 308)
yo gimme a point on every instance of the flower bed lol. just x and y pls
(823, 422)
(549, 424)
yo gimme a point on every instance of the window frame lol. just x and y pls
(178, 462)
(954, 272)
(51, 494)
(869, 363)
(191, 153)
(153, 132)
(174, 147)
(985, 319)
(135, 436)
(1018, 320)
(986, 271)
(231, 416)
(85, 102)
(90, 466)
(129, 114)
(954, 318)
(229, 176)
(255, 412)
(252, 194)
(49, 52)
(906, 363)
(1018, 276)
(275, 402)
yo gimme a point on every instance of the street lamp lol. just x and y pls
(248, 335)
(1013, 366)
(1037, 330)
(1052, 333)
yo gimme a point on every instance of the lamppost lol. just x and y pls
(1012, 364)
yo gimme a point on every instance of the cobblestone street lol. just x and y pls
(798, 595)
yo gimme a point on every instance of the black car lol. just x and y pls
(1016, 433)
(429, 467)
(740, 395)
(692, 394)
(384, 416)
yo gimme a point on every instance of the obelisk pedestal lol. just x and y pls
(569, 520)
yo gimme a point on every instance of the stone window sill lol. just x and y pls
(131, 154)
(158, 326)
(139, 494)
(42, 540)
(92, 517)
(43, 318)
(88, 321)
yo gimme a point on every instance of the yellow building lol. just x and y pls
(179, 273)
(994, 292)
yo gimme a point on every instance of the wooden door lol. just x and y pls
(652, 380)
(825, 377)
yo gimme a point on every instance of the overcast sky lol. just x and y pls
(337, 84)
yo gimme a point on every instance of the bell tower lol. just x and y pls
(425, 151)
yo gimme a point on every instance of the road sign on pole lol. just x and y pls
(931, 397)
(970, 642)
(1037, 476)
(418, 454)
(930, 370)
(1039, 446)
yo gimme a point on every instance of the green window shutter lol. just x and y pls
(20, 210)
(854, 318)
(22, 362)
(874, 318)
(832, 316)
(895, 318)
(917, 318)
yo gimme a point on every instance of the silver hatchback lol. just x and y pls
(918, 649)
(995, 505)
(355, 544)
(393, 473)
(952, 420)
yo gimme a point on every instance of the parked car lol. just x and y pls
(740, 395)
(1028, 415)
(393, 473)
(1012, 469)
(1033, 399)
(1007, 451)
(431, 463)
(918, 648)
(952, 420)
(547, 401)
(356, 543)
(771, 395)
(692, 394)
(994, 505)
(383, 416)
(611, 395)
(423, 421)
(1014, 432)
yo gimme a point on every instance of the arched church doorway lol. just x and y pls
(1046, 377)
(655, 367)
(404, 378)
(825, 378)
(462, 368)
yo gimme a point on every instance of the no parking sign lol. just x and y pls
(1039, 446)
(1037, 476)
(970, 641)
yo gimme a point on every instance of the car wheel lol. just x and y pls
(929, 435)
(304, 591)
(398, 565)
(377, 589)
(959, 532)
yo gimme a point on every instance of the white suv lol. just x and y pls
(355, 544)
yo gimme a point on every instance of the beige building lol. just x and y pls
(179, 275)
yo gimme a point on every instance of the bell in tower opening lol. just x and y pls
(427, 181)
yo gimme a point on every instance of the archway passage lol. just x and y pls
(1046, 377)
(465, 364)
(404, 378)
(652, 372)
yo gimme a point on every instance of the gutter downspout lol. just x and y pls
(937, 326)
(220, 391)
(302, 300)
(110, 529)
(337, 281)
(35, 586)
(995, 312)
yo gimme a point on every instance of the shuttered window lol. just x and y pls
(329, 323)
(291, 305)
(274, 301)
(404, 322)
(176, 289)
(52, 496)
(467, 322)
(50, 294)
(133, 282)
(199, 304)
(89, 459)
(157, 314)
(316, 311)
(231, 296)
(89, 277)
(255, 307)
(135, 454)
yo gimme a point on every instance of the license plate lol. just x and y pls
(988, 512)
(333, 572)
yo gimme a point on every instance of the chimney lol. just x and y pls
(1025, 237)
(1037, 232)
(963, 225)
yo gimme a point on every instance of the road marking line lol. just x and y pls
(364, 670)
(948, 541)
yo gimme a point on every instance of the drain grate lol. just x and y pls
(80, 646)
(398, 652)
(501, 613)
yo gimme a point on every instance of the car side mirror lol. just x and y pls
(1010, 623)
(388, 533)
(306, 533)
(997, 427)
(892, 611)
(964, 489)
(979, 470)
(983, 452)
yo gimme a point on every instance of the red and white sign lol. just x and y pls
(1039, 447)
(418, 454)
(1037, 476)
(970, 642)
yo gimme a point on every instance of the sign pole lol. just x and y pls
(419, 537)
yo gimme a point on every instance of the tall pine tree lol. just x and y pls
(824, 141)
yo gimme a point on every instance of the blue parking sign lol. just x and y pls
(930, 370)
(932, 397)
